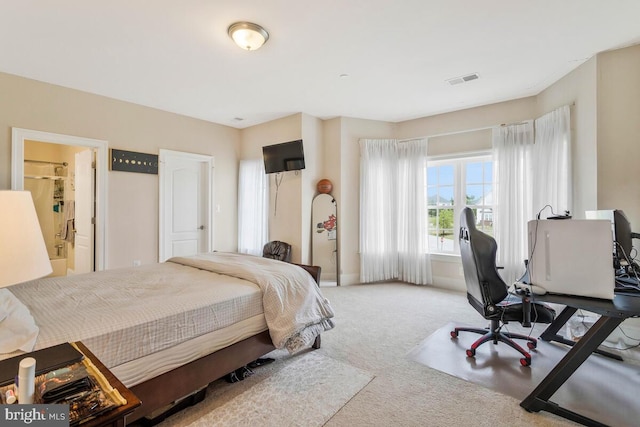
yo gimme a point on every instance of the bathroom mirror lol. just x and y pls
(324, 239)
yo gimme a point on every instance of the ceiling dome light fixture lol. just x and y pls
(247, 35)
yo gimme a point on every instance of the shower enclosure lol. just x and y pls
(46, 182)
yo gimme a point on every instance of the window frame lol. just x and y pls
(459, 162)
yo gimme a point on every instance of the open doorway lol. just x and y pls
(65, 174)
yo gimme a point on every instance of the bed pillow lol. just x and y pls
(18, 330)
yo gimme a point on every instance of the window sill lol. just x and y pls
(441, 257)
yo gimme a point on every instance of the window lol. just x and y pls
(453, 184)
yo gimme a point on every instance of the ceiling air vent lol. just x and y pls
(467, 78)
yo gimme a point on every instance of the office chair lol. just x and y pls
(277, 250)
(488, 293)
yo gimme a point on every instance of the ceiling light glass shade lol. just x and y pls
(247, 35)
(23, 254)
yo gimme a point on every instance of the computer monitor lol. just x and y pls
(622, 235)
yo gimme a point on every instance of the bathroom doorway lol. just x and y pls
(66, 176)
(50, 174)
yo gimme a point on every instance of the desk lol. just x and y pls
(612, 314)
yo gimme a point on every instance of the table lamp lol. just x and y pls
(23, 254)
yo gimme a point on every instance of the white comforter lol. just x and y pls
(294, 309)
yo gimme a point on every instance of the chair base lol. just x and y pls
(496, 335)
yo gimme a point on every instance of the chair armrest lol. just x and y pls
(526, 311)
(525, 297)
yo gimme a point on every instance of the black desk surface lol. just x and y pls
(621, 306)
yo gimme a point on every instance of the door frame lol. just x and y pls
(18, 138)
(162, 197)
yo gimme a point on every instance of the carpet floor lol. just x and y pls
(497, 367)
(302, 390)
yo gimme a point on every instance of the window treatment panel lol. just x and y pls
(552, 182)
(253, 206)
(414, 262)
(393, 211)
(512, 149)
(378, 210)
(532, 171)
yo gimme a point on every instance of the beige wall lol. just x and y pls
(313, 136)
(285, 218)
(578, 89)
(469, 119)
(618, 80)
(132, 198)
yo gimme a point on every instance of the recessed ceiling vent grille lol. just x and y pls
(457, 80)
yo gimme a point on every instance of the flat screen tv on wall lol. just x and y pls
(286, 156)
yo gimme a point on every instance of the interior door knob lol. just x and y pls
(201, 227)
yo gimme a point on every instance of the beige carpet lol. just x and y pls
(303, 390)
(497, 367)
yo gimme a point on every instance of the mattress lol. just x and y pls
(123, 315)
(150, 366)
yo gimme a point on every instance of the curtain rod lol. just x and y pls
(517, 123)
(455, 132)
(45, 162)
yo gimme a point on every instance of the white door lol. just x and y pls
(185, 204)
(84, 212)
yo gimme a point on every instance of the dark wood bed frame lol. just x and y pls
(165, 389)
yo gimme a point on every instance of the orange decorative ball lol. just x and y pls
(324, 186)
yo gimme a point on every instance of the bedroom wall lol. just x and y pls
(313, 137)
(285, 218)
(578, 89)
(618, 93)
(132, 199)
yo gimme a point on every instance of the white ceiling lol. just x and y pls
(175, 55)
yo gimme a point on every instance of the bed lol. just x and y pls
(169, 329)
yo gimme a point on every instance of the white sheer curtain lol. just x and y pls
(532, 169)
(393, 212)
(414, 262)
(512, 147)
(253, 207)
(552, 159)
(378, 211)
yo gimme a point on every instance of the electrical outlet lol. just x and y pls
(137, 263)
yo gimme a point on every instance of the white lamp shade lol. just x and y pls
(23, 254)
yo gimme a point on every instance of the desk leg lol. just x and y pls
(551, 333)
(538, 400)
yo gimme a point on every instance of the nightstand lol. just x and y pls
(117, 416)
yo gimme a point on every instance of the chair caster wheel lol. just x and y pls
(471, 352)
(525, 362)
(454, 334)
(531, 345)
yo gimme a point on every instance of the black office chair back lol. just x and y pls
(277, 250)
(485, 287)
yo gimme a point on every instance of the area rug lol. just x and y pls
(602, 388)
(301, 390)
